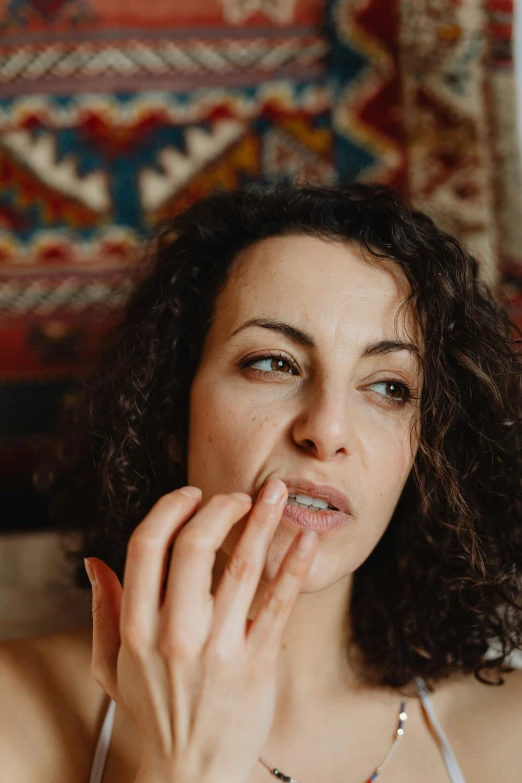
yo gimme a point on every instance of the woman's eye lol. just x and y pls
(272, 364)
(399, 393)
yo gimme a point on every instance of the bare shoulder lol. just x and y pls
(51, 704)
(484, 725)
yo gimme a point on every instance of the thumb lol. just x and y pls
(107, 595)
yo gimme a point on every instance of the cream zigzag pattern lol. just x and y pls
(72, 294)
(238, 11)
(131, 58)
(39, 156)
(461, 197)
(369, 82)
(279, 94)
(19, 258)
(177, 167)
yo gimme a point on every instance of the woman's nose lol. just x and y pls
(325, 427)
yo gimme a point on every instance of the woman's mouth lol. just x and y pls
(312, 513)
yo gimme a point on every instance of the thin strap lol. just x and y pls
(102, 748)
(451, 763)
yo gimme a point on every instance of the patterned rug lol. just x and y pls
(111, 120)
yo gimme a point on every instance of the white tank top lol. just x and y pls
(454, 772)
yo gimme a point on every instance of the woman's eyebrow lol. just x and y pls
(305, 339)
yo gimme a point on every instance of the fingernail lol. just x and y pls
(273, 491)
(192, 492)
(90, 571)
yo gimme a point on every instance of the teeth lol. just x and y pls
(306, 500)
(292, 502)
(315, 504)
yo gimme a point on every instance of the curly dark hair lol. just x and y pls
(440, 592)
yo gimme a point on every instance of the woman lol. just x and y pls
(285, 348)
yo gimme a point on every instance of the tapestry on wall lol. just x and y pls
(112, 119)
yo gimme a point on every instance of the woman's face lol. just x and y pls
(321, 413)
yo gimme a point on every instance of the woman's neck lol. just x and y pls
(313, 661)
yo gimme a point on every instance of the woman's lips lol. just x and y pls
(321, 521)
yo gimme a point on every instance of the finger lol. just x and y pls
(145, 564)
(241, 576)
(188, 597)
(267, 628)
(106, 606)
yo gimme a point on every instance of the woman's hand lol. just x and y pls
(197, 678)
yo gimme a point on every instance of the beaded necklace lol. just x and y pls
(377, 771)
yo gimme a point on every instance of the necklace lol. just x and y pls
(399, 733)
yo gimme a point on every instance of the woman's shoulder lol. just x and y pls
(51, 704)
(483, 724)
